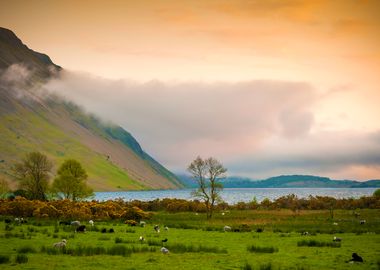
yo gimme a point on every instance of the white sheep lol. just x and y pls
(91, 222)
(227, 228)
(75, 223)
(363, 221)
(166, 228)
(164, 250)
(61, 244)
(223, 213)
(142, 223)
(335, 224)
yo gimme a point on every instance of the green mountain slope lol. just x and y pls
(113, 159)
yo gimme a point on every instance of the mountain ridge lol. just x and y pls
(61, 129)
(287, 181)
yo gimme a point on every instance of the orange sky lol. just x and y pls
(332, 45)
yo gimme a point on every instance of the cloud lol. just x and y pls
(257, 128)
(335, 154)
(175, 121)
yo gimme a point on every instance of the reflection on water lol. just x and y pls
(234, 195)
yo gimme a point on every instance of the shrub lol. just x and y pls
(267, 266)
(118, 240)
(4, 259)
(315, 243)
(258, 249)
(21, 258)
(247, 266)
(26, 249)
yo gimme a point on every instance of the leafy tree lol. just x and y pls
(4, 188)
(71, 181)
(207, 173)
(377, 193)
(33, 175)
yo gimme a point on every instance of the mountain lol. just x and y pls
(286, 181)
(33, 120)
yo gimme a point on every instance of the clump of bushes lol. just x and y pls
(120, 250)
(257, 249)
(182, 248)
(26, 249)
(315, 243)
(21, 258)
(4, 259)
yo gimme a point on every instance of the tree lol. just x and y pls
(207, 173)
(377, 193)
(71, 181)
(33, 175)
(4, 188)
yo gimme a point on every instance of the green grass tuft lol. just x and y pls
(257, 249)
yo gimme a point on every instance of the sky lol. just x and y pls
(267, 87)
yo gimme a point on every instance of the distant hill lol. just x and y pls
(287, 181)
(60, 129)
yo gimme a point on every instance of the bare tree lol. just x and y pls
(207, 173)
(33, 175)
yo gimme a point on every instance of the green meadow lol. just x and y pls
(196, 243)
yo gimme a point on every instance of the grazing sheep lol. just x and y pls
(335, 224)
(142, 223)
(75, 223)
(111, 230)
(362, 222)
(337, 239)
(166, 228)
(157, 228)
(304, 233)
(356, 258)
(227, 228)
(104, 230)
(223, 213)
(196, 214)
(141, 239)
(23, 221)
(81, 228)
(91, 222)
(17, 220)
(164, 240)
(164, 250)
(61, 244)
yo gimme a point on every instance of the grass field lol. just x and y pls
(195, 243)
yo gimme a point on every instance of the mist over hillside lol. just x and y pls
(34, 119)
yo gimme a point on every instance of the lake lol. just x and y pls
(234, 195)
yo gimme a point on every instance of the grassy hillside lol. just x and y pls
(32, 121)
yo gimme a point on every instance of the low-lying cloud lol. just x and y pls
(256, 128)
(178, 121)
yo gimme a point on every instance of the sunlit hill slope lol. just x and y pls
(30, 121)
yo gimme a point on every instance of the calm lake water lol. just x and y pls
(234, 195)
